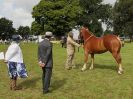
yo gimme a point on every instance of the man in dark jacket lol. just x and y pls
(45, 60)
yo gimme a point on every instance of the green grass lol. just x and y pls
(101, 83)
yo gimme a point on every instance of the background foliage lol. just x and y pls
(60, 16)
(123, 17)
(94, 14)
(6, 28)
(57, 16)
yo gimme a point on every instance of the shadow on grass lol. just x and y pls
(56, 84)
(79, 66)
(29, 83)
(112, 67)
(100, 66)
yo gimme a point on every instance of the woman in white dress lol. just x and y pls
(14, 60)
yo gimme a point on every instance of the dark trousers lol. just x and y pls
(46, 77)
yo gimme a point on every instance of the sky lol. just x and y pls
(19, 11)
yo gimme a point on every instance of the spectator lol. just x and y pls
(45, 60)
(14, 60)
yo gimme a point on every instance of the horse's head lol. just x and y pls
(80, 34)
(83, 32)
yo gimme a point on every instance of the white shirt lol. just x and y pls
(14, 53)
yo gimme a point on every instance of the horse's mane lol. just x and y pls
(88, 31)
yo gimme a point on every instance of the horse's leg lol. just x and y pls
(117, 57)
(120, 71)
(92, 61)
(85, 61)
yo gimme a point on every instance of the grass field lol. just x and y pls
(101, 83)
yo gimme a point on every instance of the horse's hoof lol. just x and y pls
(83, 69)
(120, 72)
(91, 68)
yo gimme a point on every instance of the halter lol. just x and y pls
(88, 39)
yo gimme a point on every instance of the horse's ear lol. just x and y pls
(86, 28)
(81, 27)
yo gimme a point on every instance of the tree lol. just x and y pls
(94, 13)
(6, 28)
(57, 16)
(123, 17)
(96, 27)
(107, 31)
(24, 31)
(36, 28)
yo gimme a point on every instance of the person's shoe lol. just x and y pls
(17, 88)
(45, 91)
(10, 88)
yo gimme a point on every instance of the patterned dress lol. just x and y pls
(14, 58)
(17, 70)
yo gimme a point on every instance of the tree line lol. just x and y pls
(60, 16)
(7, 29)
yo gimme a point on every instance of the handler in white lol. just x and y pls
(14, 60)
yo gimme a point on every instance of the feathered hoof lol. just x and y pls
(91, 68)
(120, 72)
(83, 69)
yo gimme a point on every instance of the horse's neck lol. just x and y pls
(86, 35)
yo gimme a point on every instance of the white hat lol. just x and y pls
(48, 34)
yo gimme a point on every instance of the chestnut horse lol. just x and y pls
(97, 45)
